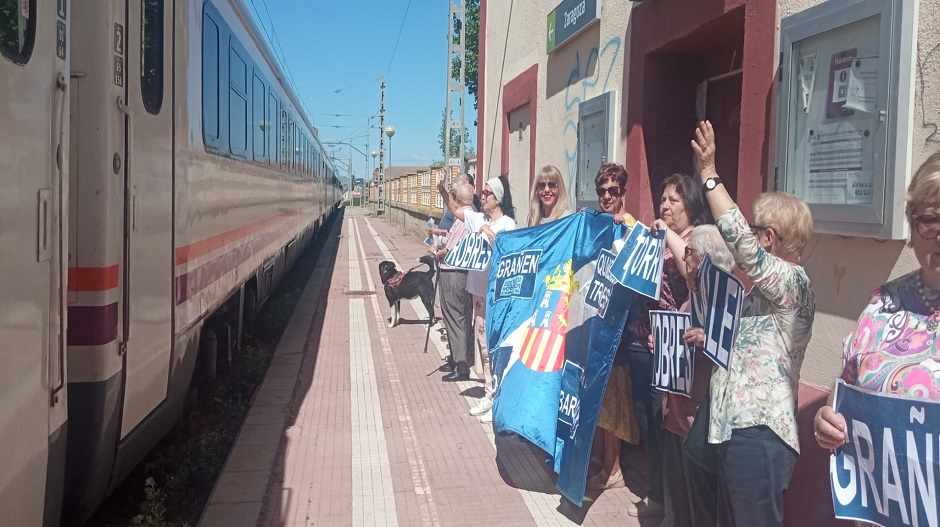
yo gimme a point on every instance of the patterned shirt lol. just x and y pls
(761, 383)
(894, 348)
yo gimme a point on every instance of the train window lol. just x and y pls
(271, 127)
(151, 54)
(258, 125)
(290, 144)
(18, 29)
(210, 82)
(237, 103)
(282, 158)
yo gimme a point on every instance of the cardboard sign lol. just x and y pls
(639, 266)
(888, 471)
(472, 253)
(722, 295)
(674, 356)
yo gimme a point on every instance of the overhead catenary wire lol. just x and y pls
(397, 40)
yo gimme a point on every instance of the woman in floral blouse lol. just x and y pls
(894, 348)
(753, 402)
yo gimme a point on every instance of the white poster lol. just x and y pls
(807, 78)
(838, 171)
(862, 91)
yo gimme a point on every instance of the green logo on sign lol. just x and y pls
(551, 32)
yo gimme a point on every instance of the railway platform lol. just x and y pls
(353, 426)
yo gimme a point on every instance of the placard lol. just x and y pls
(472, 253)
(674, 356)
(722, 295)
(639, 266)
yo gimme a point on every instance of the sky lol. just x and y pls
(348, 46)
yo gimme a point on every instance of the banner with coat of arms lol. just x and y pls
(551, 348)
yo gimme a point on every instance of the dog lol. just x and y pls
(411, 284)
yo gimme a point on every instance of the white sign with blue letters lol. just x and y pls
(472, 253)
(639, 266)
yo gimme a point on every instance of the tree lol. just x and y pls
(454, 140)
(471, 49)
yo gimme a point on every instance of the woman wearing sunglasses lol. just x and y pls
(895, 347)
(617, 420)
(549, 199)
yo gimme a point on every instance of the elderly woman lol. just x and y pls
(753, 403)
(681, 208)
(496, 217)
(617, 420)
(549, 199)
(690, 490)
(894, 347)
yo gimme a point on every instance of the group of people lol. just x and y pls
(725, 455)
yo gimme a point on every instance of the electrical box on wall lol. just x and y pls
(845, 114)
(596, 128)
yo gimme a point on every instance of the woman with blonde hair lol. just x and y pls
(752, 404)
(895, 346)
(548, 200)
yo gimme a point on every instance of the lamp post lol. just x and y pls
(390, 131)
(374, 153)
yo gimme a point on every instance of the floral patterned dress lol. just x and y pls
(761, 383)
(894, 347)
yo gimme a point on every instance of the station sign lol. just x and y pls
(453, 162)
(570, 18)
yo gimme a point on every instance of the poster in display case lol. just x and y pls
(845, 110)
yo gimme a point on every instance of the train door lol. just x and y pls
(34, 178)
(147, 303)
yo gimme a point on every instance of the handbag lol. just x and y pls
(696, 445)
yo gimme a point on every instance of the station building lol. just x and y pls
(581, 82)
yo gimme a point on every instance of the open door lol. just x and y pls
(147, 297)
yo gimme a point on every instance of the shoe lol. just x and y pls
(486, 418)
(646, 508)
(482, 407)
(603, 481)
(455, 377)
(447, 367)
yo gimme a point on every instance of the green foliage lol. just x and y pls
(468, 149)
(153, 508)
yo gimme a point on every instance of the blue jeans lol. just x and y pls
(755, 467)
(648, 402)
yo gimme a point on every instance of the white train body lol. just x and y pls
(189, 183)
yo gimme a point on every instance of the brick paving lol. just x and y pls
(352, 425)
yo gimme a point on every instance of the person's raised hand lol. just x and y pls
(829, 428)
(704, 147)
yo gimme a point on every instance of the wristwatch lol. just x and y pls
(711, 183)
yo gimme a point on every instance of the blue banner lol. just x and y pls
(674, 356)
(472, 253)
(888, 471)
(721, 295)
(639, 266)
(551, 351)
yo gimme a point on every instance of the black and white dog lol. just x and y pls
(408, 285)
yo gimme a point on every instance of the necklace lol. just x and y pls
(931, 300)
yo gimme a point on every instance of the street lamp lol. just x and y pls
(390, 131)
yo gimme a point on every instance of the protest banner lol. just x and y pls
(674, 356)
(720, 294)
(472, 253)
(541, 330)
(887, 471)
(639, 266)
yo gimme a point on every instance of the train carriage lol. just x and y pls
(175, 178)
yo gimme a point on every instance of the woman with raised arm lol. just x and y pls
(753, 402)
(497, 216)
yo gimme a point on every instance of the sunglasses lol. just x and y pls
(550, 184)
(927, 225)
(614, 192)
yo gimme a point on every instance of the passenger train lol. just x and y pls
(158, 178)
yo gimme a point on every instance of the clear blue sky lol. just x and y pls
(347, 46)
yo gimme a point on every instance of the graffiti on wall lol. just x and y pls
(578, 89)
